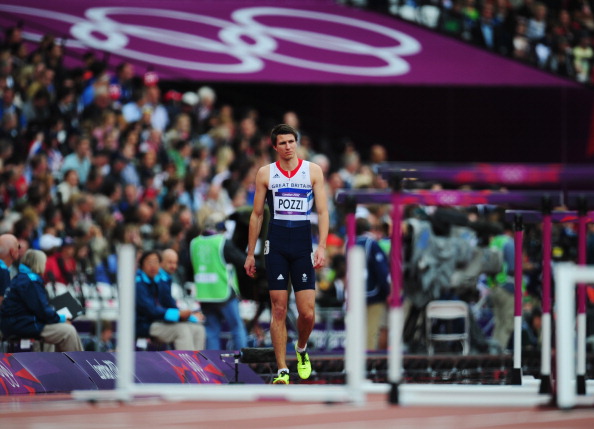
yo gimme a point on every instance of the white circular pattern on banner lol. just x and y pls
(99, 29)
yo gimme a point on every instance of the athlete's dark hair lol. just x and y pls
(282, 129)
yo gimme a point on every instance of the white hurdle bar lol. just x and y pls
(355, 354)
(567, 275)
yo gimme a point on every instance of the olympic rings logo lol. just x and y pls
(244, 42)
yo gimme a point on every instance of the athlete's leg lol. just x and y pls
(305, 300)
(278, 329)
(303, 278)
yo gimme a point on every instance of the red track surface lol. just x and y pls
(62, 412)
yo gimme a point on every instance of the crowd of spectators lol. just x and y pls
(92, 157)
(554, 35)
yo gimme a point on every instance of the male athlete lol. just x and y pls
(289, 186)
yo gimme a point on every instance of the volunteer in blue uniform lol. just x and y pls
(26, 312)
(9, 254)
(290, 186)
(157, 314)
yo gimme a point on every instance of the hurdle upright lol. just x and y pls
(567, 275)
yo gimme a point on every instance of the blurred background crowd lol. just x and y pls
(554, 35)
(92, 157)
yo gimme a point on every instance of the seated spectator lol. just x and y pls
(104, 342)
(157, 314)
(168, 275)
(26, 312)
(61, 266)
(9, 255)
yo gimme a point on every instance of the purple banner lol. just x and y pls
(15, 379)
(152, 368)
(227, 364)
(266, 41)
(55, 371)
(100, 367)
(193, 367)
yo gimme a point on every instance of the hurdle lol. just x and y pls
(518, 216)
(398, 200)
(581, 217)
(127, 390)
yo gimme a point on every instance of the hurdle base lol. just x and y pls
(257, 354)
(516, 376)
(580, 384)
(393, 396)
(545, 385)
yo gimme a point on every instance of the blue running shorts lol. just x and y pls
(288, 253)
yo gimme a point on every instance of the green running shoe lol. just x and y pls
(282, 378)
(303, 364)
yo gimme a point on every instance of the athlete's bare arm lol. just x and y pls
(256, 218)
(317, 180)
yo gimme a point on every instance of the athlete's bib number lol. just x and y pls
(293, 204)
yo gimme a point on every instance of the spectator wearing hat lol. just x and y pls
(49, 240)
(189, 106)
(172, 103)
(214, 259)
(190, 99)
(206, 108)
(60, 266)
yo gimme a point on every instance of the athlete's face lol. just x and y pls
(286, 146)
